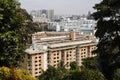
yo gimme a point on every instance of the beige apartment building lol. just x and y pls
(50, 48)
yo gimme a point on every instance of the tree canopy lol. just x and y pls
(75, 74)
(14, 74)
(83, 75)
(91, 63)
(16, 28)
(74, 66)
(51, 74)
(108, 32)
(116, 75)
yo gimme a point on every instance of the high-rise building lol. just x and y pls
(50, 48)
(49, 14)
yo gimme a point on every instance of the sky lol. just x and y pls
(61, 7)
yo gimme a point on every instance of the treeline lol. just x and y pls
(90, 70)
(74, 73)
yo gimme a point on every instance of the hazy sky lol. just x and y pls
(66, 7)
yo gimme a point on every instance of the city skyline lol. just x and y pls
(61, 7)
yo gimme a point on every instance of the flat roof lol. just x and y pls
(35, 51)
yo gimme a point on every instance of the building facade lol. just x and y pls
(50, 48)
(84, 26)
(42, 15)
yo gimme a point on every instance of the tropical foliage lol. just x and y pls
(14, 74)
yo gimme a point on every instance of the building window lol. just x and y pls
(84, 56)
(67, 62)
(29, 69)
(84, 52)
(67, 55)
(35, 57)
(36, 72)
(54, 54)
(39, 60)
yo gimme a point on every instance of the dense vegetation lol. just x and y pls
(14, 74)
(74, 73)
(16, 28)
(108, 32)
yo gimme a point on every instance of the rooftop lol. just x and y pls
(43, 41)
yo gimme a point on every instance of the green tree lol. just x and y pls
(61, 67)
(72, 75)
(83, 75)
(108, 32)
(7, 35)
(116, 75)
(15, 31)
(91, 63)
(14, 74)
(50, 74)
(91, 75)
(74, 66)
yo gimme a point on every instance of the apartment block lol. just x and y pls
(50, 48)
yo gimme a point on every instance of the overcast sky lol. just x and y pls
(65, 7)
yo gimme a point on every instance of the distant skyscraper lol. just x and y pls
(49, 14)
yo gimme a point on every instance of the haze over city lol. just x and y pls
(64, 7)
